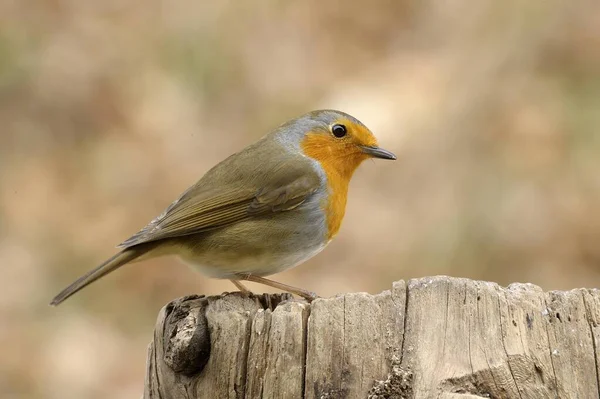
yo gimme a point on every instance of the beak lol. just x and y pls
(377, 152)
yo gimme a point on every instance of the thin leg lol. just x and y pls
(240, 287)
(309, 296)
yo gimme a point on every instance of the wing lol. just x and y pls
(197, 210)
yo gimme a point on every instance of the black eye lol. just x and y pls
(338, 131)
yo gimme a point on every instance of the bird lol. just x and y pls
(265, 209)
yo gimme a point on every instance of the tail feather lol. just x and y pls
(108, 266)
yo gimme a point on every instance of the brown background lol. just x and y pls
(110, 109)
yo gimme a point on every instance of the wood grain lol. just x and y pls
(435, 337)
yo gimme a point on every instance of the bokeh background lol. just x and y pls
(110, 109)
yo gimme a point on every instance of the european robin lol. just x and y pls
(265, 209)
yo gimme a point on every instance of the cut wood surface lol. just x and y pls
(436, 337)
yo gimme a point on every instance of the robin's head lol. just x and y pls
(338, 141)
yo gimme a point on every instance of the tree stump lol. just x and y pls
(435, 337)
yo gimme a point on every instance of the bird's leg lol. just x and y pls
(309, 296)
(241, 287)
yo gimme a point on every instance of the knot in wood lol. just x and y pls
(186, 344)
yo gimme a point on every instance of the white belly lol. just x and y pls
(263, 265)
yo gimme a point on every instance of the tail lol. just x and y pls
(108, 266)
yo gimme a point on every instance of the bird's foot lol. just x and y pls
(308, 295)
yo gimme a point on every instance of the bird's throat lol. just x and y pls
(339, 163)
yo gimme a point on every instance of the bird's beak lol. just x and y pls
(377, 152)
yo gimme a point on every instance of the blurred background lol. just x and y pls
(110, 109)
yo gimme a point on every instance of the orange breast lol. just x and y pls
(339, 161)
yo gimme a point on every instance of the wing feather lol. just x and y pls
(197, 211)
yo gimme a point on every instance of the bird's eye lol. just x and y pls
(339, 131)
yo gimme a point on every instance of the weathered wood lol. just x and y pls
(436, 337)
